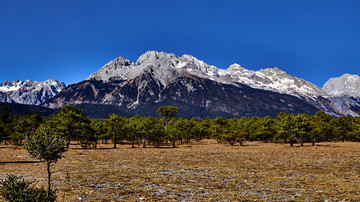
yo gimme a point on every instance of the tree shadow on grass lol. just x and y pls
(105, 148)
(11, 147)
(17, 162)
(322, 145)
(316, 145)
(244, 145)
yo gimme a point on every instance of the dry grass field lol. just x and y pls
(200, 171)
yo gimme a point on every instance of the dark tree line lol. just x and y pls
(73, 124)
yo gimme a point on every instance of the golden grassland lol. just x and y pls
(201, 171)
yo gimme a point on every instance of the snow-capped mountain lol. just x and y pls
(273, 79)
(29, 92)
(158, 77)
(345, 85)
(345, 93)
(168, 66)
(165, 67)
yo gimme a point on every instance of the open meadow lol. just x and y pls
(203, 170)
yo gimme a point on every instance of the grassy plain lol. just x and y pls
(201, 171)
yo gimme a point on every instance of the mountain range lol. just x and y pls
(29, 92)
(198, 89)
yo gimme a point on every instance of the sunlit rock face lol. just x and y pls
(29, 92)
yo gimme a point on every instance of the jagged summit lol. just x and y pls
(29, 92)
(345, 85)
(235, 67)
(150, 56)
(165, 78)
(150, 78)
(168, 66)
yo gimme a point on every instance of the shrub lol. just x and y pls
(17, 189)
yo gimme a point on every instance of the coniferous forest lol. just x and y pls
(166, 129)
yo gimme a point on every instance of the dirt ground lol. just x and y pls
(200, 171)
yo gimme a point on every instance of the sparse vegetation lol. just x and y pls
(203, 170)
(290, 157)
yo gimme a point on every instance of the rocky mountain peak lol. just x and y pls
(235, 67)
(151, 56)
(274, 72)
(345, 85)
(167, 66)
(29, 92)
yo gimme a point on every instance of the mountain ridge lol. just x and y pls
(165, 77)
(29, 92)
(271, 79)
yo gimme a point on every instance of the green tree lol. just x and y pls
(46, 145)
(354, 133)
(167, 112)
(98, 130)
(70, 122)
(251, 125)
(134, 129)
(34, 121)
(175, 132)
(285, 124)
(21, 128)
(181, 129)
(6, 123)
(320, 127)
(91, 133)
(218, 127)
(340, 126)
(242, 130)
(231, 132)
(302, 127)
(266, 129)
(202, 128)
(154, 131)
(115, 127)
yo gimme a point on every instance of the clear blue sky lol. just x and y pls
(69, 39)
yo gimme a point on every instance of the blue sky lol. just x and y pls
(69, 40)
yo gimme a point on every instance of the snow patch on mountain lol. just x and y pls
(168, 66)
(165, 66)
(29, 92)
(273, 79)
(345, 85)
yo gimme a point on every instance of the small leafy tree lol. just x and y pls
(48, 146)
